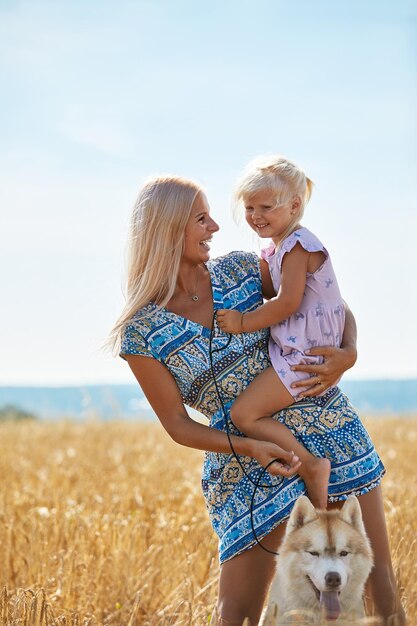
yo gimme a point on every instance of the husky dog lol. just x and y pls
(323, 563)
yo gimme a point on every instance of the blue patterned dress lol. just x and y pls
(328, 425)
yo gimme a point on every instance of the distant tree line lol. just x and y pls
(14, 413)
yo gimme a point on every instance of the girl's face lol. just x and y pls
(266, 218)
(198, 232)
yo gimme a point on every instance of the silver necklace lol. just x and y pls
(195, 297)
(193, 294)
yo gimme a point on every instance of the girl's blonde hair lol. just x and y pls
(279, 175)
(155, 244)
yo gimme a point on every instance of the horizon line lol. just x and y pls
(64, 385)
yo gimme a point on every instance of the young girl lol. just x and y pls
(308, 310)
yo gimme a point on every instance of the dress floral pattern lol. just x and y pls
(327, 425)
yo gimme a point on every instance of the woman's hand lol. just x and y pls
(327, 374)
(286, 463)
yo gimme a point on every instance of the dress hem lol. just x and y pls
(333, 498)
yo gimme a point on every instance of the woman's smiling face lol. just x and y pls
(199, 231)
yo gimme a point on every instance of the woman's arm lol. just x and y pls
(164, 396)
(336, 360)
(287, 302)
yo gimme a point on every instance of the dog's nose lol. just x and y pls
(333, 579)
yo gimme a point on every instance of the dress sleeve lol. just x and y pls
(133, 341)
(306, 239)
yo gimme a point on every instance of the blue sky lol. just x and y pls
(98, 95)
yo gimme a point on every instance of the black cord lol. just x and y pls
(226, 421)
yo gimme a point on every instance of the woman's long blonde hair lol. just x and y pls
(155, 245)
(280, 176)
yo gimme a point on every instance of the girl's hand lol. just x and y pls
(230, 321)
(327, 374)
(286, 464)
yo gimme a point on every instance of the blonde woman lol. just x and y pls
(164, 334)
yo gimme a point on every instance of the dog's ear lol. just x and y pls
(352, 514)
(302, 513)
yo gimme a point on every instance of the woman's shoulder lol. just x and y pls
(236, 278)
(141, 328)
(144, 316)
(237, 261)
(140, 325)
(236, 268)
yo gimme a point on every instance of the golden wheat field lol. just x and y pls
(104, 523)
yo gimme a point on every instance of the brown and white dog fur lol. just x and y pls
(323, 563)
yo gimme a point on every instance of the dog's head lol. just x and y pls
(331, 549)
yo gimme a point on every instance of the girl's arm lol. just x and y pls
(287, 301)
(336, 360)
(164, 396)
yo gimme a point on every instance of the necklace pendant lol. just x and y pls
(194, 298)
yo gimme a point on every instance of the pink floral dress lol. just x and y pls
(318, 322)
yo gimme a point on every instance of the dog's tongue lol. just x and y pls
(329, 601)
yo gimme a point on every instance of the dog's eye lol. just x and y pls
(313, 553)
(343, 553)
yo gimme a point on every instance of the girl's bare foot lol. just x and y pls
(315, 474)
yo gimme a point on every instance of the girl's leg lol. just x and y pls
(381, 582)
(245, 581)
(251, 413)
